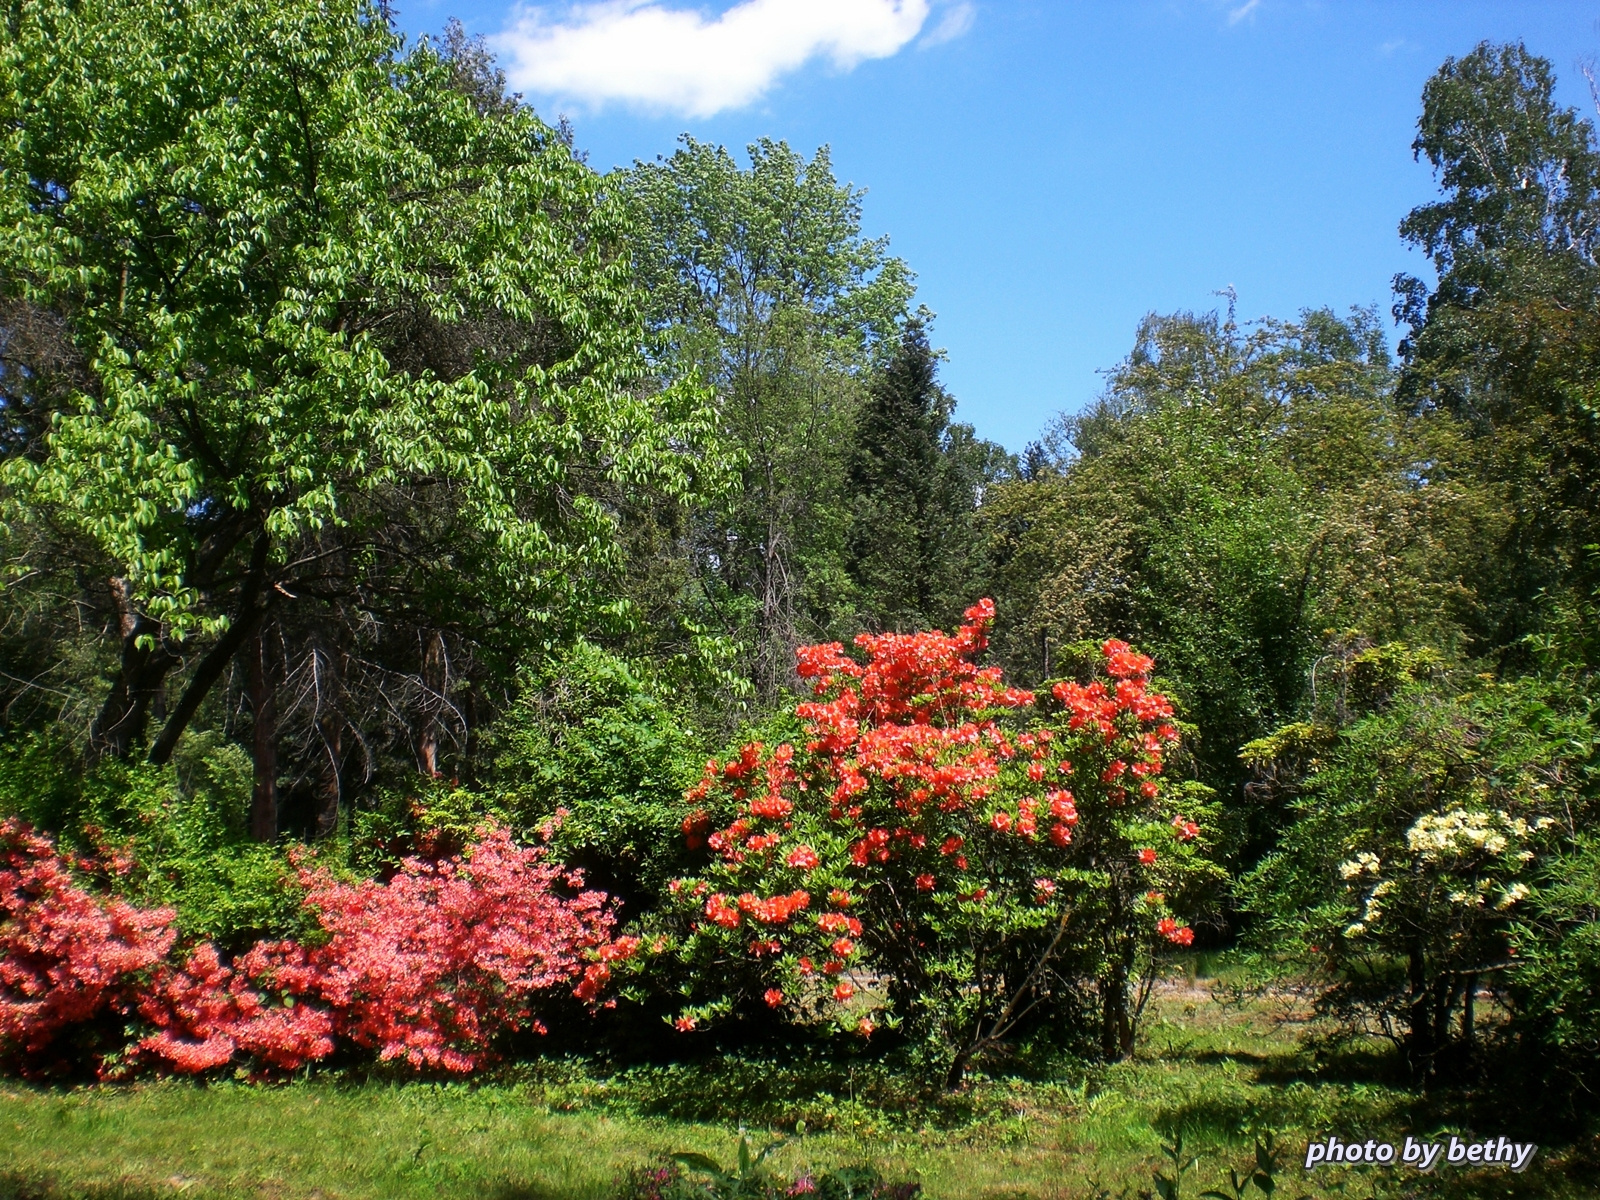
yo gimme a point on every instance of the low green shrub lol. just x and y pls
(172, 836)
(695, 1176)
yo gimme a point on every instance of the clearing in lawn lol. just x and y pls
(1216, 1075)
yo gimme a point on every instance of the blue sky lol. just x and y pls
(1051, 170)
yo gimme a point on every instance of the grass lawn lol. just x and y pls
(1211, 1072)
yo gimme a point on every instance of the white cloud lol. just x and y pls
(956, 21)
(646, 53)
(1243, 11)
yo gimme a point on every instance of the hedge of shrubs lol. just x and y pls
(937, 854)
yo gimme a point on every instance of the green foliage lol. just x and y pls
(356, 351)
(1505, 342)
(913, 484)
(751, 1178)
(1169, 1186)
(1422, 828)
(165, 836)
(1556, 987)
(594, 739)
(229, 156)
(762, 284)
(432, 818)
(1261, 1174)
(1234, 494)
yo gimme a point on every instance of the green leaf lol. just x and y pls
(698, 1162)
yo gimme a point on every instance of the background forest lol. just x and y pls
(375, 474)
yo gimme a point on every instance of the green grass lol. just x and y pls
(1212, 1073)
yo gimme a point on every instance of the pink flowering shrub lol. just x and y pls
(426, 968)
(430, 966)
(65, 956)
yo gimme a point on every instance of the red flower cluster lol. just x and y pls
(803, 857)
(1095, 706)
(1174, 932)
(913, 786)
(431, 965)
(206, 1013)
(775, 910)
(426, 968)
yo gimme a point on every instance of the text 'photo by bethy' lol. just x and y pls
(534, 662)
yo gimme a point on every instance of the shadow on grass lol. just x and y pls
(16, 1186)
(510, 1190)
(776, 1094)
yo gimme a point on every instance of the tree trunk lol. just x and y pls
(125, 714)
(246, 620)
(957, 1071)
(263, 740)
(469, 717)
(1420, 1042)
(331, 730)
(1116, 1028)
(435, 681)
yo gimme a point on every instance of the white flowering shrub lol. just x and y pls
(1422, 830)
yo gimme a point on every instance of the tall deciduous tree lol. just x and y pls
(762, 284)
(1508, 341)
(357, 348)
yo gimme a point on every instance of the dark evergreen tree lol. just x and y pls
(915, 480)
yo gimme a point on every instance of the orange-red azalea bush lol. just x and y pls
(942, 850)
(426, 968)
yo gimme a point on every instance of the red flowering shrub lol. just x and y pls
(65, 956)
(940, 833)
(207, 1014)
(426, 968)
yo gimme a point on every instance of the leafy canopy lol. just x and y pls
(308, 273)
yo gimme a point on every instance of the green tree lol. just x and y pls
(763, 286)
(914, 482)
(1434, 829)
(354, 346)
(1506, 342)
(1232, 495)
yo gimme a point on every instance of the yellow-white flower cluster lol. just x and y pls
(1364, 863)
(1512, 894)
(1459, 832)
